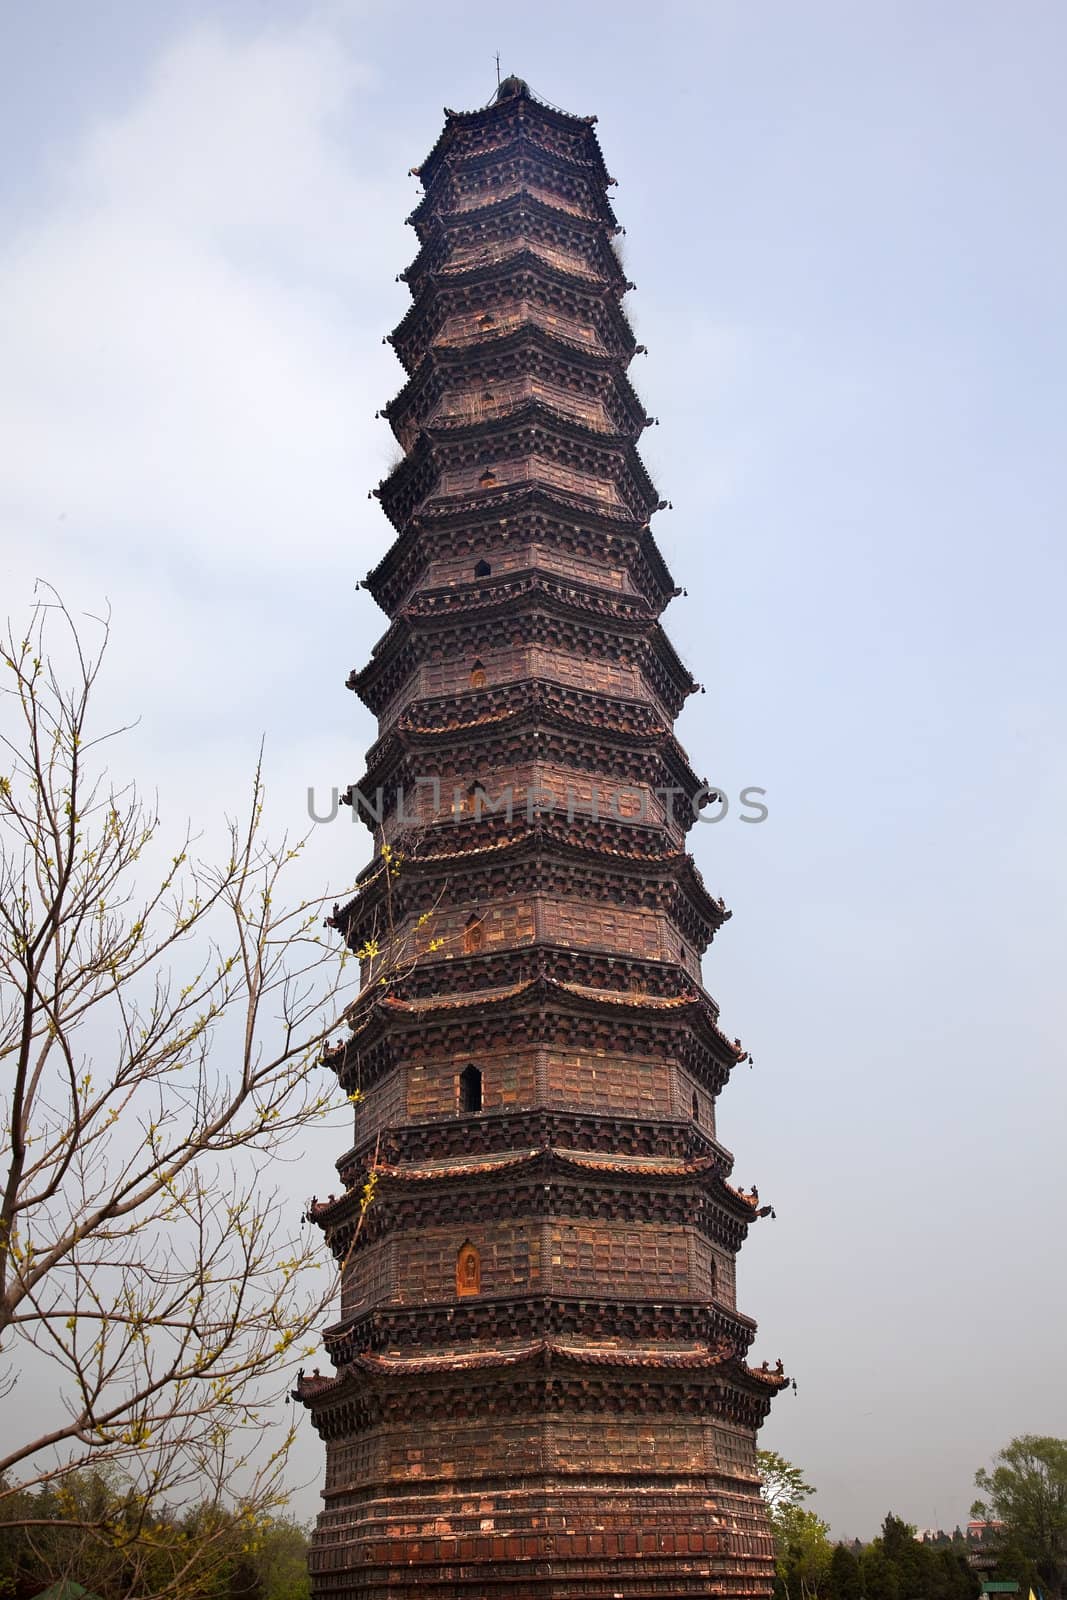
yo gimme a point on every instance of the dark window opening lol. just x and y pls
(470, 1089)
(478, 676)
(488, 478)
(482, 570)
(696, 1107)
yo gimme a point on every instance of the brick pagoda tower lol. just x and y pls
(540, 1386)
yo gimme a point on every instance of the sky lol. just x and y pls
(845, 226)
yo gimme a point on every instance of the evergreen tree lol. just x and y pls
(908, 1557)
(878, 1575)
(845, 1581)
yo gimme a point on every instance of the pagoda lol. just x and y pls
(540, 1385)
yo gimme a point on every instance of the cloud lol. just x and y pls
(184, 319)
(191, 323)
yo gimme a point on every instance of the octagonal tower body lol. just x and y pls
(540, 1383)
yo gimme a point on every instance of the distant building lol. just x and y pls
(983, 1549)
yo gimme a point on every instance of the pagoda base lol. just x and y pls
(631, 1537)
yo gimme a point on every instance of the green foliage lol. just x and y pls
(804, 1553)
(878, 1575)
(954, 1578)
(895, 1566)
(845, 1581)
(801, 1538)
(41, 1542)
(1027, 1492)
(281, 1561)
(783, 1483)
(911, 1560)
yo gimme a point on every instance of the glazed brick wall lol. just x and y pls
(574, 481)
(624, 930)
(460, 569)
(466, 327)
(523, 789)
(510, 1255)
(579, 570)
(398, 700)
(493, 397)
(586, 1256)
(613, 799)
(472, 186)
(425, 803)
(477, 138)
(727, 1278)
(732, 1449)
(713, 1271)
(639, 1259)
(478, 251)
(589, 409)
(482, 399)
(531, 468)
(597, 676)
(436, 1451)
(522, 558)
(358, 1459)
(504, 922)
(630, 1086)
(509, 1078)
(566, 324)
(587, 926)
(369, 1277)
(683, 1103)
(552, 197)
(381, 1107)
(453, 677)
(690, 959)
(590, 1444)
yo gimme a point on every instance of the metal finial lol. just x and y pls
(498, 69)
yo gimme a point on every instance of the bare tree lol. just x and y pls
(157, 1050)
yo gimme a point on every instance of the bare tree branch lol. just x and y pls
(157, 1048)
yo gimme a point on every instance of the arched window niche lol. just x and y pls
(696, 1107)
(482, 569)
(478, 676)
(473, 936)
(468, 1270)
(470, 1089)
